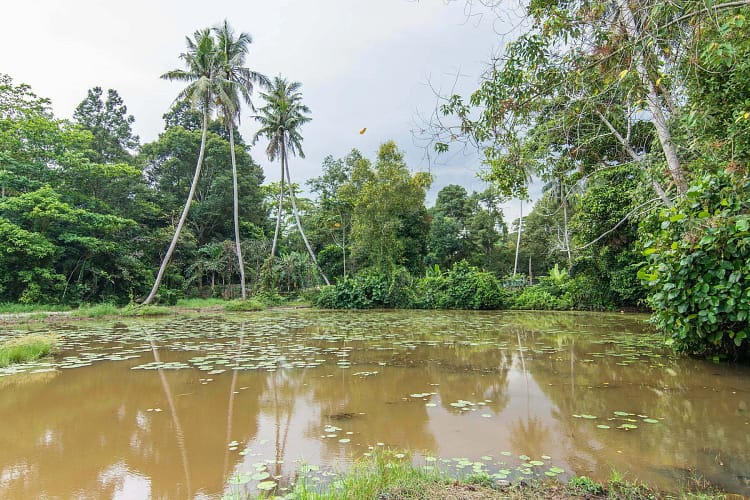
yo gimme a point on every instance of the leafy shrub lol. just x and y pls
(586, 485)
(369, 289)
(269, 298)
(168, 296)
(699, 267)
(585, 292)
(462, 287)
(537, 297)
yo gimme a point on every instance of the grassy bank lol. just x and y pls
(13, 308)
(22, 313)
(26, 348)
(381, 476)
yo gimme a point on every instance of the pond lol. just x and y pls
(206, 406)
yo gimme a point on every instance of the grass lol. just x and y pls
(196, 303)
(13, 308)
(26, 348)
(107, 309)
(144, 310)
(383, 476)
(244, 305)
(96, 311)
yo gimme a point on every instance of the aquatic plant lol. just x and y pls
(26, 348)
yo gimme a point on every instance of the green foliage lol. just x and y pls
(269, 298)
(197, 303)
(537, 297)
(606, 224)
(390, 224)
(109, 124)
(367, 290)
(145, 311)
(462, 287)
(718, 85)
(586, 292)
(585, 485)
(96, 310)
(698, 268)
(26, 348)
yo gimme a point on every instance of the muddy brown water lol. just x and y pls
(212, 406)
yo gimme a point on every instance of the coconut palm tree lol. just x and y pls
(239, 82)
(204, 85)
(280, 119)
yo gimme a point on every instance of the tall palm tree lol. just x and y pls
(239, 82)
(280, 119)
(204, 85)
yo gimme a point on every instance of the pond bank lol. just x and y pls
(109, 311)
(383, 477)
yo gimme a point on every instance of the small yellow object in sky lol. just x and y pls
(361, 132)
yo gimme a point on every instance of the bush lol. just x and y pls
(536, 297)
(269, 298)
(369, 289)
(462, 287)
(585, 292)
(699, 268)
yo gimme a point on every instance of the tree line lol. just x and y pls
(633, 114)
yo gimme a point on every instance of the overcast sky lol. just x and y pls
(362, 63)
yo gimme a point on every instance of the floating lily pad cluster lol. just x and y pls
(622, 420)
(503, 469)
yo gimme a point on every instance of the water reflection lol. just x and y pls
(266, 392)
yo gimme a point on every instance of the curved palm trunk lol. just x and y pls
(236, 210)
(175, 419)
(296, 215)
(185, 210)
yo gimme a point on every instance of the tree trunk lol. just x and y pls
(296, 215)
(278, 216)
(518, 240)
(652, 98)
(343, 243)
(236, 209)
(185, 210)
(566, 235)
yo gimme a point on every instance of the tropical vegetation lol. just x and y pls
(633, 115)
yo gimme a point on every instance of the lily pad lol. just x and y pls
(266, 485)
(627, 427)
